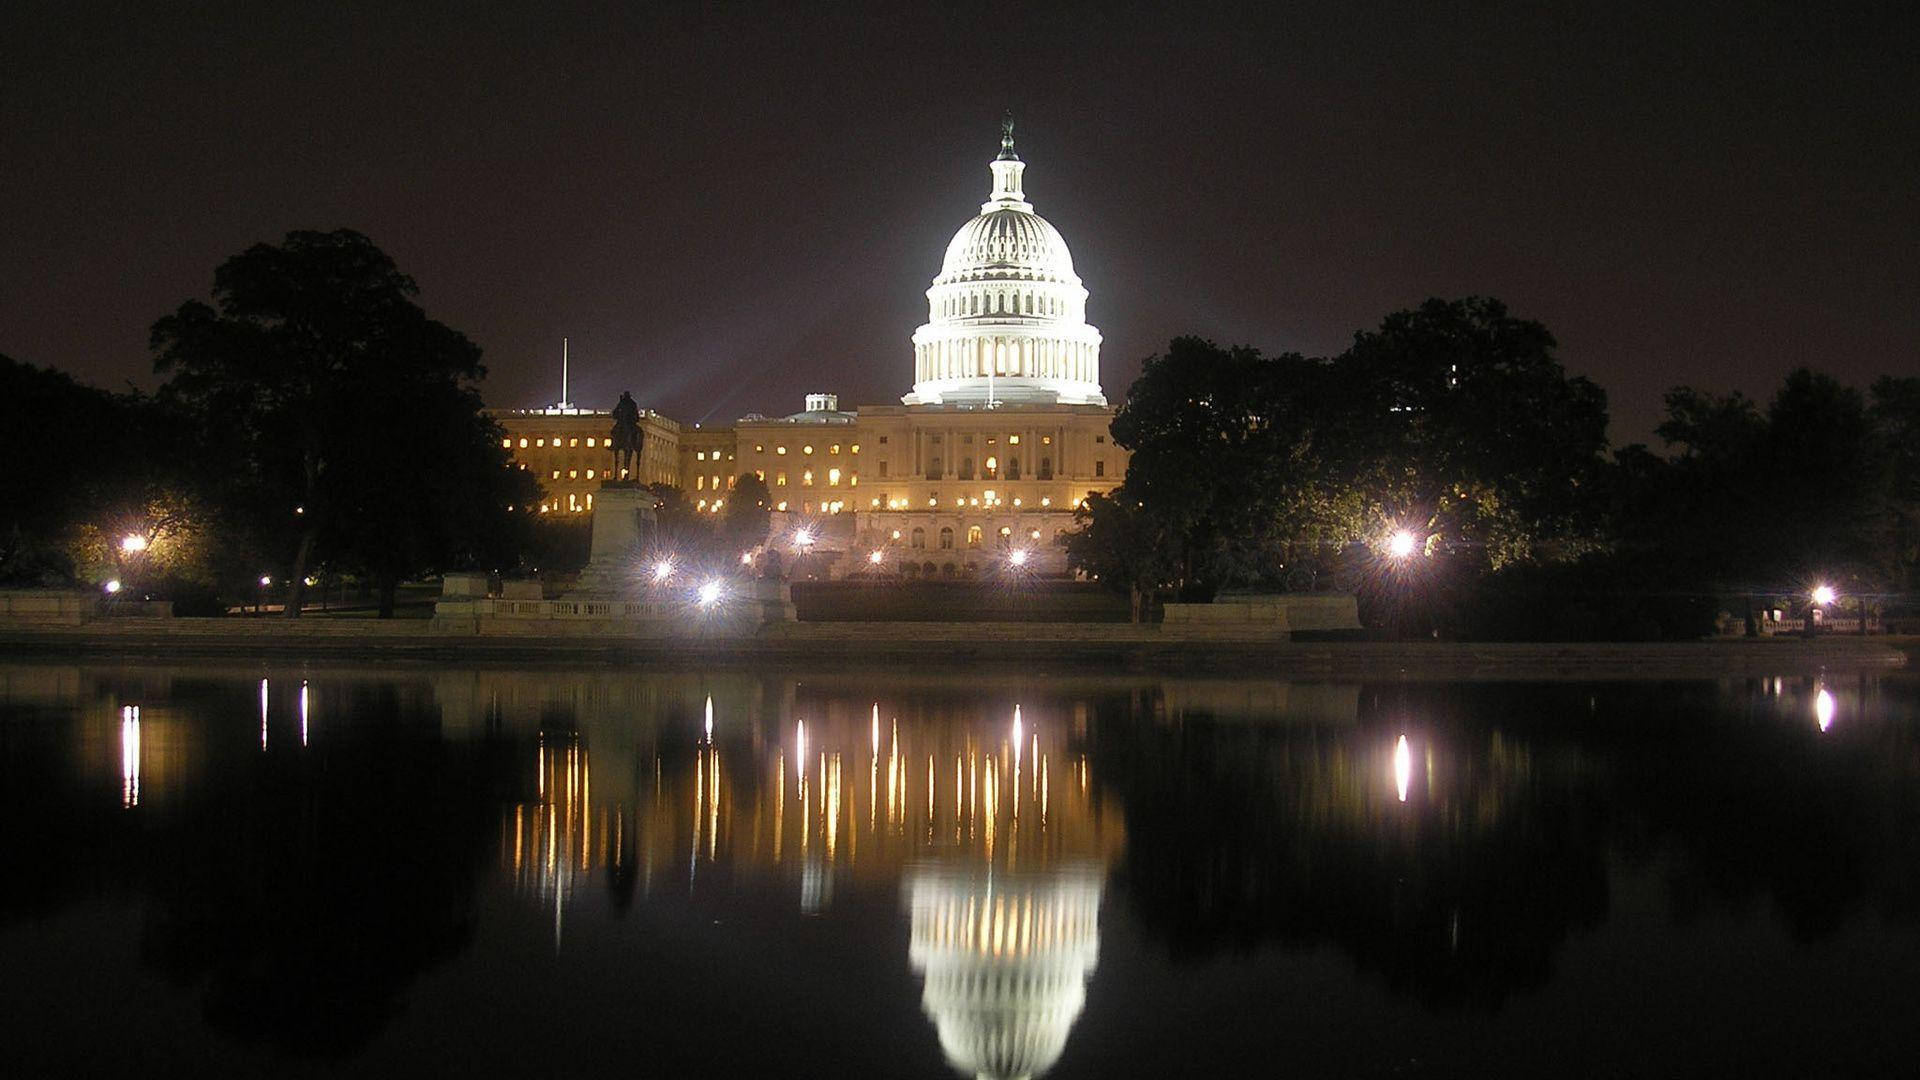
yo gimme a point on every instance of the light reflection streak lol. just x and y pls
(303, 712)
(130, 756)
(1823, 708)
(1402, 767)
(263, 714)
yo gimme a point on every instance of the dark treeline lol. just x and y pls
(315, 424)
(1449, 470)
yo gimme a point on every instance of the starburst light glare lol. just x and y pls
(876, 557)
(1824, 595)
(803, 539)
(133, 543)
(709, 594)
(1402, 544)
(1018, 557)
(663, 570)
(746, 558)
(1402, 767)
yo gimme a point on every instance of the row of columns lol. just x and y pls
(971, 358)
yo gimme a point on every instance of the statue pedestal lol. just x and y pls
(621, 515)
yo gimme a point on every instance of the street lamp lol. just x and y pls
(112, 586)
(1824, 595)
(803, 539)
(1402, 544)
(709, 594)
(1018, 557)
(662, 570)
(133, 543)
(876, 557)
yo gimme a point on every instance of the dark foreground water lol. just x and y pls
(287, 871)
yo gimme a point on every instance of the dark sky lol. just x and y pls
(726, 206)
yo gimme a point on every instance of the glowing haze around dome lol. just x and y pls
(1007, 317)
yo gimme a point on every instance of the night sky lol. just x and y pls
(728, 206)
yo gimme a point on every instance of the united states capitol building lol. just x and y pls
(1003, 434)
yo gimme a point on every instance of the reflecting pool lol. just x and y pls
(286, 870)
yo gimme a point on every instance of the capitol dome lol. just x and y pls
(1007, 316)
(1005, 959)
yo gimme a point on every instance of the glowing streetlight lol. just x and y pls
(662, 570)
(133, 543)
(803, 539)
(1018, 557)
(265, 580)
(709, 594)
(746, 558)
(1402, 544)
(1824, 595)
(876, 557)
(112, 586)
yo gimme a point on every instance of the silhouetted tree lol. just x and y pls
(345, 420)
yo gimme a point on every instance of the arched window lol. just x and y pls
(1013, 468)
(973, 536)
(966, 468)
(919, 538)
(928, 569)
(933, 468)
(946, 539)
(1046, 468)
(993, 468)
(1006, 537)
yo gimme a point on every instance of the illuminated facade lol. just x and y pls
(980, 467)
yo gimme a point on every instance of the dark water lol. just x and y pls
(289, 871)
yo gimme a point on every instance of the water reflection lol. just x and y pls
(1442, 842)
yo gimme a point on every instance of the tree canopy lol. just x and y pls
(344, 423)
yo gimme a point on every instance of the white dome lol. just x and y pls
(1008, 244)
(1007, 317)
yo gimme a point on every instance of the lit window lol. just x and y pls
(539, 442)
(781, 506)
(1045, 501)
(806, 478)
(896, 534)
(523, 444)
(1013, 440)
(506, 444)
(779, 479)
(543, 508)
(573, 442)
(779, 449)
(589, 440)
(834, 449)
(806, 449)
(833, 477)
(973, 537)
(853, 480)
(589, 474)
(700, 484)
(589, 500)
(716, 483)
(759, 448)
(700, 455)
(762, 474)
(556, 474)
(855, 448)
(1035, 534)
(573, 474)
(1046, 440)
